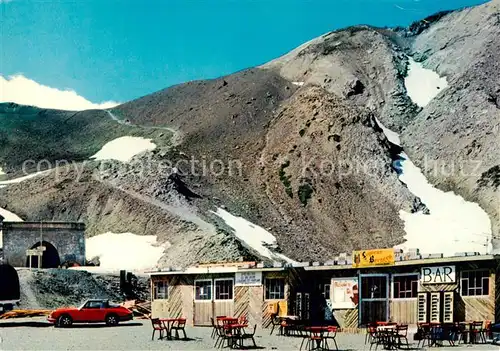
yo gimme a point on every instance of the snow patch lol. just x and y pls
(22, 179)
(393, 137)
(124, 149)
(9, 216)
(124, 251)
(1, 171)
(453, 225)
(422, 84)
(24, 91)
(254, 236)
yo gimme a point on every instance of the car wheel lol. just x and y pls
(111, 319)
(64, 321)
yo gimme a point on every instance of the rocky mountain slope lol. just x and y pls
(293, 146)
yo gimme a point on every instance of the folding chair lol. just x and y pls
(180, 325)
(157, 325)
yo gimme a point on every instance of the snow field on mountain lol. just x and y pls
(124, 149)
(124, 251)
(423, 85)
(453, 225)
(254, 236)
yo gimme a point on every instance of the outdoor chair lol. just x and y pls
(371, 329)
(487, 330)
(332, 335)
(242, 320)
(402, 336)
(224, 338)
(248, 336)
(313, 339)
(275, 322)
(214, 328)
(378, 338)
(423, 334)
(180, 325)
(477, 333)
(157, 325)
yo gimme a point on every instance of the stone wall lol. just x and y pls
(67, 238)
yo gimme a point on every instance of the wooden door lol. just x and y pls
(203, 302)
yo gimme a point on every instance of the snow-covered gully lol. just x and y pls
(252, 235)
(451, 224)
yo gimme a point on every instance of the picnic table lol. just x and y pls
(168, 324)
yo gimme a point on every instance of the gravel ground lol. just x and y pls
(36, 334)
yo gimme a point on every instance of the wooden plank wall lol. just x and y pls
(347, 319)
(248, 303)
(403, 311)
(497, 292)
(481, 308)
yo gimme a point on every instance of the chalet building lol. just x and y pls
(375, 285)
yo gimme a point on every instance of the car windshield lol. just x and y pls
(113, 304)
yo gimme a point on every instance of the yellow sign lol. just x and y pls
(370, 258)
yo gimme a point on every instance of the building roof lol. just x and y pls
(344, 264)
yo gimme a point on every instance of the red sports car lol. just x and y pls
(92, 311)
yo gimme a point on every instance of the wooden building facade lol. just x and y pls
(201, 293)
(438, 289)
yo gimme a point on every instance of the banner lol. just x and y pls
(344, 293)
(370, 258)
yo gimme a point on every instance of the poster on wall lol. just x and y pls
(248, 278)
(345, 293)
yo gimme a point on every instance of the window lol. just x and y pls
(325, 290)
(203, 290)
(94, 304)
(275, 289)
(374, 287)
(405, 286)
(223, 289)
(475, 283)
(160, 290)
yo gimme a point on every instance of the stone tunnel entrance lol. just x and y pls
(9, 281)
(50, 257)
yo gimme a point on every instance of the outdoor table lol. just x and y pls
(168, 323)
(388, 333)
(236, 329)
(321, 331)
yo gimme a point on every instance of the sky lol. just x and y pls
(110, 51)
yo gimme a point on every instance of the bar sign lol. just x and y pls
(438, 275)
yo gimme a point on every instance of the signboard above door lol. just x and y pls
(248, 278)
(370, 258)
(438, 275)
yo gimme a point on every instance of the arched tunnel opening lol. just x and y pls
(50, 257)
(9, 281)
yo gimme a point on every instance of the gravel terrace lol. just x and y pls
(36, 334)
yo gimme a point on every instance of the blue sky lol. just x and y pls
(120, 50)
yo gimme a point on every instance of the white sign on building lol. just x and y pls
(438, 275)
(248, 278)
(344, 293)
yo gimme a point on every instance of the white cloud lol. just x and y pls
(24, 91)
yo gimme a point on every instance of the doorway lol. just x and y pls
(374, 298)
(50, 257)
